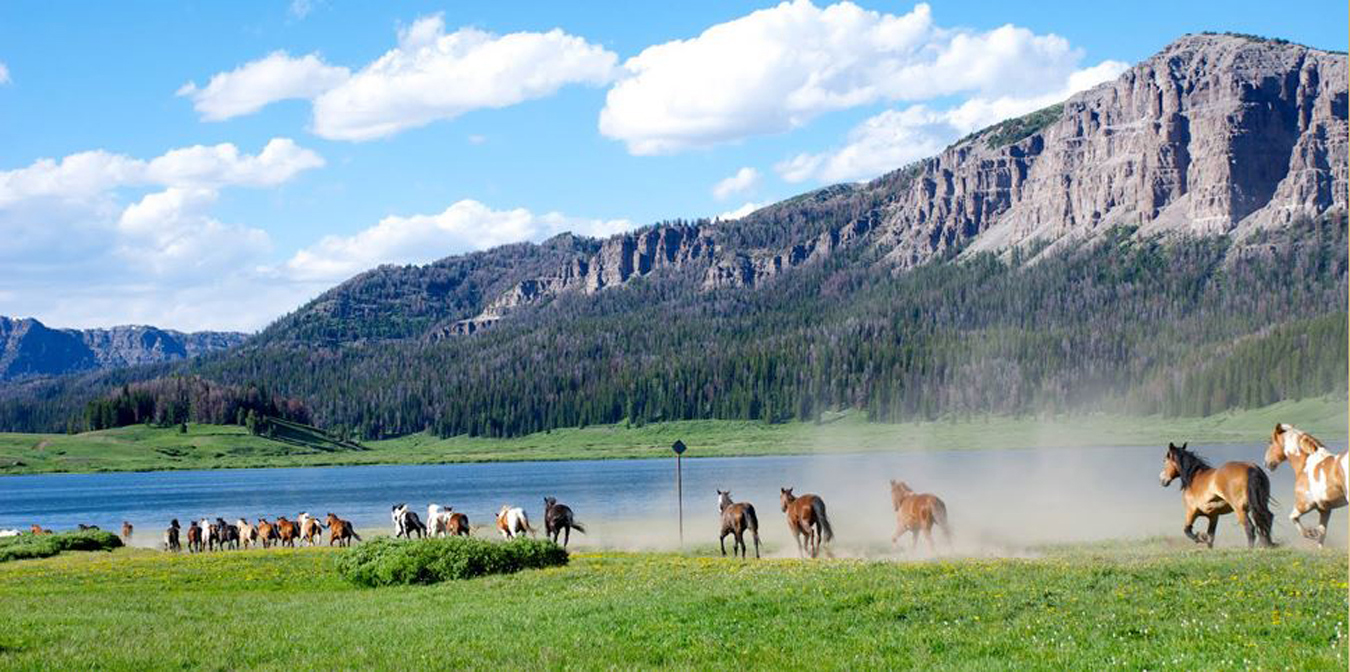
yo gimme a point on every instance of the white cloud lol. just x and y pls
(4, 74)
(430, 75)
(169, 233)
(743, 180)
(777, 69)
(894, 138)
(251, 86)
(740, 212)
(464, 226)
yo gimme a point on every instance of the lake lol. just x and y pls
(997, 499)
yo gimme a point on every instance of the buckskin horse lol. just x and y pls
(1234, 487)
(806, 517)
(1320, 477)
(918, 512)
(737, 518)
(340, 531)
(558, 519)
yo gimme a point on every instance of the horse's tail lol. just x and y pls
(940, 518)
(356, 536)
(818, 506)
(1258, 502)
(752, 522)
(577, 526)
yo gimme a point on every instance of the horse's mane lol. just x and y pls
(1189, 464)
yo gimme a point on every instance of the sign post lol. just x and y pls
(678, 447)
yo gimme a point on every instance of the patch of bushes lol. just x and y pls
(392, 562)
(26, 546)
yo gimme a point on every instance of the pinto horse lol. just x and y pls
(513, 522)
(1320, 477)
(1234, 487)
(737, 518)
(406, 522)
(341, 531)
(918, 512)
(171, 542)
(806, 517)
(310, 528)
(558, 519)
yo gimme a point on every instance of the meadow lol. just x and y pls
(142, 448)
(1146, 604)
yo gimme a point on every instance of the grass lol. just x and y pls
(1146, 604)
(212, 447)
(28, 546)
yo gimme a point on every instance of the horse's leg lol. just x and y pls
(928, 537)
(1213, 525)
(1190, 521)
(914, 540)
(899, 532)
(567, 535)
(1323, 517)
(1301, 507)
(722, 542)
(797, 536)
(1245, 520)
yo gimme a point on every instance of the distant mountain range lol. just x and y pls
(30, 349)
(1170, 241)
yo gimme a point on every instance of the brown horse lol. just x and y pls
(458, 525)
(267, 532)
(127, 529)
(558, 520)
(37, 529)
(171, 542)
(194, 537)
(1239, 487)
(1320, 477)
(287, 532)
(918, 512)
(737, 518)
(806, 516)
(341, 531)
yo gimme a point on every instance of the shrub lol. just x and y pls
(390, 562)
(28, 546)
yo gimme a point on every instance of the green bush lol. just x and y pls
(391, 562)
(28, 546)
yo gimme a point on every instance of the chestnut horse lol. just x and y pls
(194, 537)
(918, 512)
(37, 529)
(341, 531)
(1234, 487)
(287, 532)
(737, 517)
(457, 525)
(1320, 477)
(806, 516)
(267, 533)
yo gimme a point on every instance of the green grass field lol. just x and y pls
(212, 447)
(1148, 604)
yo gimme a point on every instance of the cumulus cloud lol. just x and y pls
(251, 86)
(4, 74)
(464, 226)
(894, 138)
(740, 212)
(777, 69)
(743, 180)
(430, 75)
(170, 233)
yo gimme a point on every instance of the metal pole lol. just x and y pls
(679, 493)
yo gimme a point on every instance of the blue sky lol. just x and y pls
(405, 132)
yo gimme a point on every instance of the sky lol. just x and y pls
(208, 165)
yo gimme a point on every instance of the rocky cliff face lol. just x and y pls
(30, 349)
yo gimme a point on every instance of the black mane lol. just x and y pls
(1188, 463)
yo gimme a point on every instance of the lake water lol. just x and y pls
(1000, 499)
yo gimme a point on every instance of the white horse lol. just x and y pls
(438, 519)
(512, 522)
(1321, 477)
(210, 534)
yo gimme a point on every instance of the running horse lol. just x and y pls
(1233, 487)
(248, 533)
(1320, 477)
(287, 532)
(194, 537)
(341, 531)
(311, 530)
(558, 519)
(806, 517)
(737, 518)
(171, 542)
(512, 522)
(127, 529)
(918, 512)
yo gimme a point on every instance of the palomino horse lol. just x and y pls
(1239, 487)
(737, 518)
(171, 542)
(287, 532)
(512, 522)
(558, 519)
(248, 533)
(918, 512)
(194, 536)
(1320, 476)
(806, 516)
(311, 530)
(341, 531)
(127, 529)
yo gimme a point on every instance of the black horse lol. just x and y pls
(558, 520)
(171, 542)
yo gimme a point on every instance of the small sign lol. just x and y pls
(678, 447)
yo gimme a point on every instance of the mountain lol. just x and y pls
(1171, 241)
(30, 349)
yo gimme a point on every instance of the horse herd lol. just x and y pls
(219, 535)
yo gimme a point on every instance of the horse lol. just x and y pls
(37, 529)
(310, 528)
(458, 525)
(558, 520)
(806, 516)
(340, 531)
(171, 537)
(737, 517)
(1239, 487)
(1320, 477)
(87, 528)
(127, 529)
(406, 522)
(287, 532)
(915, 513)
(248, 534)
(438, 520)
(267, 532)
(229, 534)
(210, 534)
(513, 521)
(194, 537)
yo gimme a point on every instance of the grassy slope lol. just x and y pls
(1151, 606)
(206, 447)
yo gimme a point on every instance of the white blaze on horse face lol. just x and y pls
(1291, 438)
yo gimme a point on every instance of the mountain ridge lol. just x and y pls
(30, 349)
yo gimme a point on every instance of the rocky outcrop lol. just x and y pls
(30, 349)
